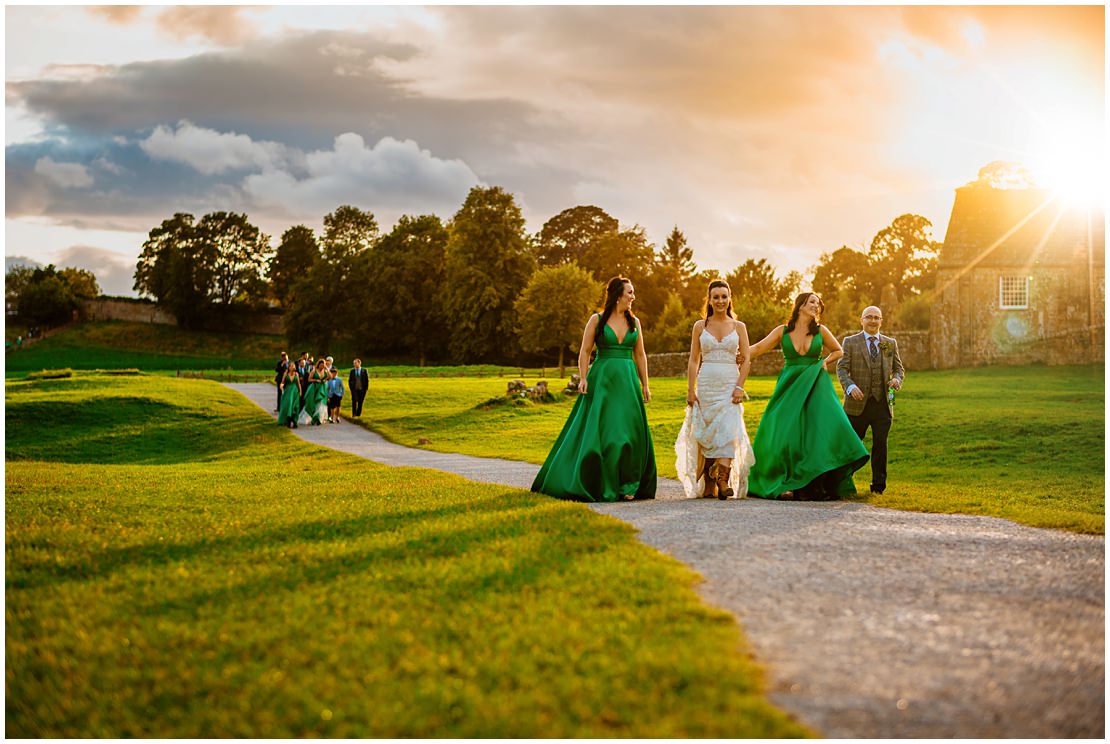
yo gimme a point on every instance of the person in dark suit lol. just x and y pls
(357, 382)
(869, 368)
(304, 367)
(279, 372)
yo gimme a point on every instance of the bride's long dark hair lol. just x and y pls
(613, 291)
(814, 325)
(709, 306)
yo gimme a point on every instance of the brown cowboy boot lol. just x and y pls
(720, 476)
(710, 484)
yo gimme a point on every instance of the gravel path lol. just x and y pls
(871, 622)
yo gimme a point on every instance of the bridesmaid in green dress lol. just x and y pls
(805, 448)
(290, 404)
(605, 452)
(315, 397)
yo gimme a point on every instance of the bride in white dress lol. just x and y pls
(714, 455)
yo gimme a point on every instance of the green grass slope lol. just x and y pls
(178, 565)
(146, 346)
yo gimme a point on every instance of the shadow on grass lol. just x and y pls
(426, 556)
(120, 430)
(99, 565)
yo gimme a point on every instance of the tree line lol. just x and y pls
(47, 296)
(478, 288)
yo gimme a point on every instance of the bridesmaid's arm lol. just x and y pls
(832, 344)
(641, 361)
(584, 351)
(695, 362)
(745, 358)
(773, 339)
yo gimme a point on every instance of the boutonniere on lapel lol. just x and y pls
(884, 346)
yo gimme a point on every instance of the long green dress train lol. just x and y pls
(804, 432)
(290, 403)
(605, 450)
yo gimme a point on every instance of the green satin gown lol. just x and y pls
(804, 432)
(315, 398)
(290, 403)
(604, 451)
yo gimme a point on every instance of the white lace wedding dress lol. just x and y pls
(715, 427)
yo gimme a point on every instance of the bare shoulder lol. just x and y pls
(699, 325)
(738, 325)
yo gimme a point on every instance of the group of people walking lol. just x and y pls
(807, 446)
(311, 392)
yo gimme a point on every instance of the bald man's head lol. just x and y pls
(871, 319)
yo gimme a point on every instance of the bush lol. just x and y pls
(51, 374)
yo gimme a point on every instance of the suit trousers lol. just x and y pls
(877, 416)
(357, 396)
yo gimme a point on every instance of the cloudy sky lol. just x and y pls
(761, 131)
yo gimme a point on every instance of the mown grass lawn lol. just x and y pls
(177, 565)
(163, 349)
(1024, 443)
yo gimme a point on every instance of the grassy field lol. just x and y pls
(179, 566)
(162, 349)
(1026, 443)
(146, 346)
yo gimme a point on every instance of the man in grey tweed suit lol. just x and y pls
(869, 366)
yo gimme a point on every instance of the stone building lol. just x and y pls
(1020, 279)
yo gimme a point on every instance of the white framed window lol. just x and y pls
(1013, 292)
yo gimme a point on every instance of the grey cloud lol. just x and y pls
(128, 194)
(64, 175)
(296, 91)
(301, 93)
(114, 274)
(13, 261)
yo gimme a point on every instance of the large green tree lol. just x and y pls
(757, 279)
(405, 304)
(671, 333)
(238, 252)
(324, 307)
(16, 278)
(170, 270)
(82, 282)
(904, 255)
(567, 235)
(191, 267)
(844, 279)
(295, 256)
(676, 262)
(487, 266)
(49, 299)
(554, 307)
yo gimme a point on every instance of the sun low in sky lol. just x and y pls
(761, 132)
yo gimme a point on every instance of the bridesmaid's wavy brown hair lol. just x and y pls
(814, 325)
(613, 291)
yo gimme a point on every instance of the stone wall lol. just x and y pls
(140, 311)
(913, 348)
(134, 311)
(1063, 324)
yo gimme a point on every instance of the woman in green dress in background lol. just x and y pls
(290, 404)
(315, 396)
(605, 452)
(805, 447)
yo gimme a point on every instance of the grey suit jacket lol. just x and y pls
(854, 368)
